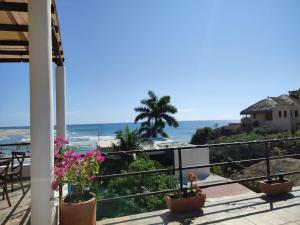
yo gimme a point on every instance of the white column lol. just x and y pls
(41, 112)
(60, 101)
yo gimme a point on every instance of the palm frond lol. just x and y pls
(141, 117)
(171, 121)
(142, 109)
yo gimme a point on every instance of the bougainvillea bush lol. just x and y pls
(75, 169)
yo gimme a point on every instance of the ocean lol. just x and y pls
(84, 136)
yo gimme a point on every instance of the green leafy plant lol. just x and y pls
(127, 140)
(132, 185)
(192, 191)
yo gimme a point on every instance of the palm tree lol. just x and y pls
(127, 140)
(155, 112)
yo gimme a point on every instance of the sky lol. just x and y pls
(214, 58)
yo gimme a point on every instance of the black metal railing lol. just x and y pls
(6, 149)
(180, 168)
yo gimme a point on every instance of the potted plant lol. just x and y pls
(79, 171)
(191, 198)
(276, 186)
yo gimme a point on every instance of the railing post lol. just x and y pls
(60, 192)
(180, 169)
(267, 149)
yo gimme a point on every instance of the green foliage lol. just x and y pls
(259, 133)
(127, 140)
(201, 136)
(133, 185)
(240, 152)
(217, 170)
(155, 113)
(279, 151)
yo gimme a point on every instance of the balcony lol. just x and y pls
(252, 209)
(248, 208)
(19, 212)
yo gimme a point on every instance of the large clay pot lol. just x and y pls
(185, 204)
(83, 213)
(275, 187)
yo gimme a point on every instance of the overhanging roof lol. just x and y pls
(267, 104)
(14, 44)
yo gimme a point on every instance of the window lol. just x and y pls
(296, 113)
(279, 114)
(285, 114)
(254, 116)
(268, 116)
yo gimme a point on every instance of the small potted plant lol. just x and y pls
(191, 198)
(79, 171)
(276, 186)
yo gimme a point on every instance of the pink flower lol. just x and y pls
(69, 154)
(59, 138)
(91, 178)
(54, 185)
(88, 154)
(77, 157)
(59, 172)
(100, 158)
(56, 154)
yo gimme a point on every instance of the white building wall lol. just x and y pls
(284, 123)
(192, 157)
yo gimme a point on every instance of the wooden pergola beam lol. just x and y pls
(56, 47)
(11, 52)
(17, 7)
(19, 52)
(14, 60)
(14, 43)
(16, 27)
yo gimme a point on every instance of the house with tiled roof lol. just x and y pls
(280, 112)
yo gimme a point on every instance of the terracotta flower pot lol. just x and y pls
(275, 187)
(83, 213)
(185, 204)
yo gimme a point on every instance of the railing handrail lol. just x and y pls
(205, 146)
(15, 144)
(267, 158)
(181, 168)
(190, 146)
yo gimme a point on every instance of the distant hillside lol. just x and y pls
(259, 169)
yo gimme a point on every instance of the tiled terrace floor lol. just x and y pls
(246, 210)
(19, 212)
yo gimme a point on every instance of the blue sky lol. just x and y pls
(213, 57)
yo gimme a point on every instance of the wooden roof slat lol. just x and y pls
(14, 27)
(17, 7)
(14, 32)
(18, 27)
(9, 52)
(14, 43)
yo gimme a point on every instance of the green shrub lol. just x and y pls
(132, 185)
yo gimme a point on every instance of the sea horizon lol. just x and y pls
(85, 136)
(98, 123)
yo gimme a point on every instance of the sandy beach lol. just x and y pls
(14, 132)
